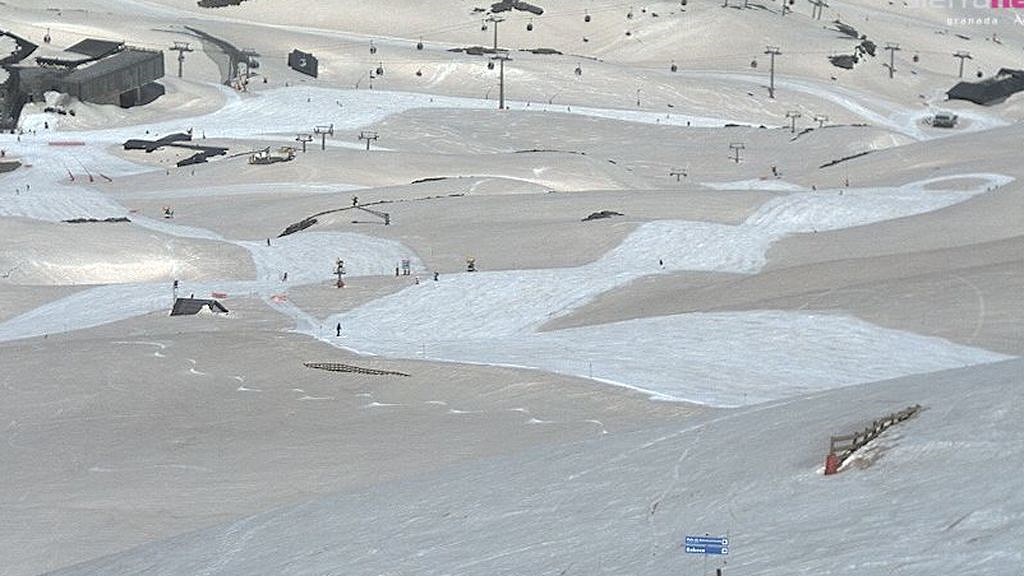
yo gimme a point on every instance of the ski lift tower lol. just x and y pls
(792, 115)
(181, 48)
(818, 8)
(772, 52)
(304, 138)
(248, 62)
(369, 136)
(494, 20)
(736, 147)
(962, 56)
(339, 270)
(892, 47)
(501, 57)
(323, 131)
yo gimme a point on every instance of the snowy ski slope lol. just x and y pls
(623, 504)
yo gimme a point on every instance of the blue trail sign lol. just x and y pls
(706, 545)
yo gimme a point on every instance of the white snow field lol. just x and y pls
(307, 258)
(275, 111)
(491, 317)
(727, 359)
(623, 504)
(659, 340)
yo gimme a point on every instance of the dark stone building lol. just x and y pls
(96, 71)
(11, 96)
(116, 79)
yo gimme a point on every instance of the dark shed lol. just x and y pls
(192, 306)
(303, 62)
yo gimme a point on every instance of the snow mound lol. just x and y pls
(755, 184)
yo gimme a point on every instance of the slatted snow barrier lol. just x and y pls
(842, 447)
(335, 367)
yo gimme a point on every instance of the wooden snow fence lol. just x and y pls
(336, 367)
(842, 447)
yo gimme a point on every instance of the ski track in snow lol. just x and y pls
(492, 317)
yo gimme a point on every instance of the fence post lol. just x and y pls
(831, 464)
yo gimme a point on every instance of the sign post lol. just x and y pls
(705, 546)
